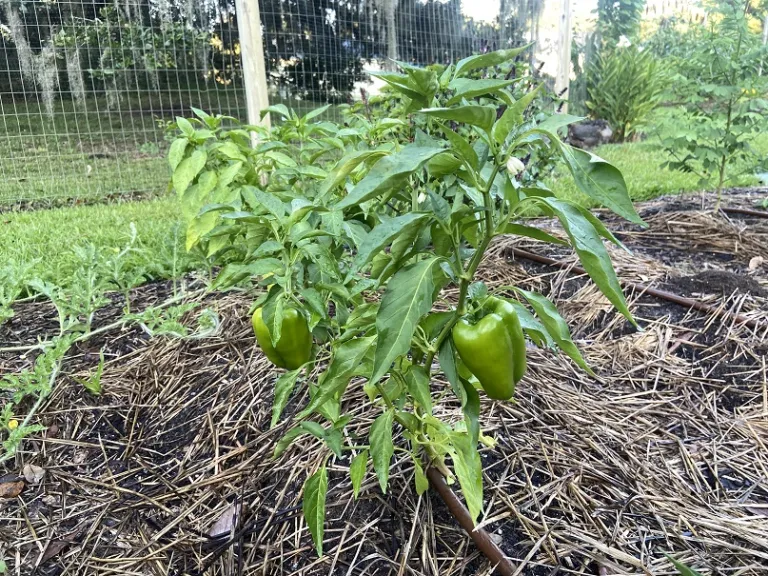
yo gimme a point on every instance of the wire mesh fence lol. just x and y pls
(88, 88)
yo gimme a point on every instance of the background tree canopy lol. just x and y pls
(314, 49)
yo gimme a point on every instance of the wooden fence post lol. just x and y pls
(252, 54)
(564, 35)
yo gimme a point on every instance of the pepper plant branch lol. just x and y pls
(474, 263)
(391, 406)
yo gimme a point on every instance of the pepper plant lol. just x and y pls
(352, 241)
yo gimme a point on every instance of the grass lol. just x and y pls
(92, 150)
(46, 237)
(640, 163)
(88, 152)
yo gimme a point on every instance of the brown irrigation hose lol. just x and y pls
(480, 537)
(746, 212)
(688, 302)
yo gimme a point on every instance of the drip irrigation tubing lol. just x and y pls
(644, 288)
(480, 537)
(746, 212)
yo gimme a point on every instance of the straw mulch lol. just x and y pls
(664, 453)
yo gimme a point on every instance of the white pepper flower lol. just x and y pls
(515, 166)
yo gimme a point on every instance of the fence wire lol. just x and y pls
(88, 88)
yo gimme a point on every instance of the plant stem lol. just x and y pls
(729, 118)
(391, 406)
(36, 406)
(469, 273)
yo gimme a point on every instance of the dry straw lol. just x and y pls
(664, 453)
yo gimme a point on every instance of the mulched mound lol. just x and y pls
(169, 471)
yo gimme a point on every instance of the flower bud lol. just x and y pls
(515, 166)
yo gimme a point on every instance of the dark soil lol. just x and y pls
(69, 202)
(721, 282)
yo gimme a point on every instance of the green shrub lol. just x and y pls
(626, 85)
(721, 86)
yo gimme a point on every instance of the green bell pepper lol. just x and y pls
(493, 348)
(294, 348)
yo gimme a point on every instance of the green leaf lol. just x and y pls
(281, 159)
(600, 180)
(389, 172)
(176, 152)
(442, 164)
(434, 322)
(533, 328)
(199, 227)
(348, 360)
(473, 114)
(331, 437)
(556, 121)
(417, 381)
(357, 470)
(355, 231)
(188, 169)
(381, 236)
(334, 440)
(408, 297)
(283, 390)
(469, 469)
(442, 242)
(315, 301)
(233, 273)
(461, 146)
(513, 115)
(93, 382)
(316, 112)
(346, 166)
(440, 206)
(228, 174)
(382, 447)
(402, 84)
(555, 325)
(271, 203)
(267, 249)
(470, 88)
(185, 126)
(280, 109)
(313, 505)
(473, 194)
(532, 232)
(423, 79)
(592, 253)
(445, 77)
(600, 227)
(204, 116)
(682, 568)
(313, 172)
(287, 439)
(422, 483)
(231, 151)
(487, 60)
(447, 358)
(472, 412)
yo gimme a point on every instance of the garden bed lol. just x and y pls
(169, 471)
